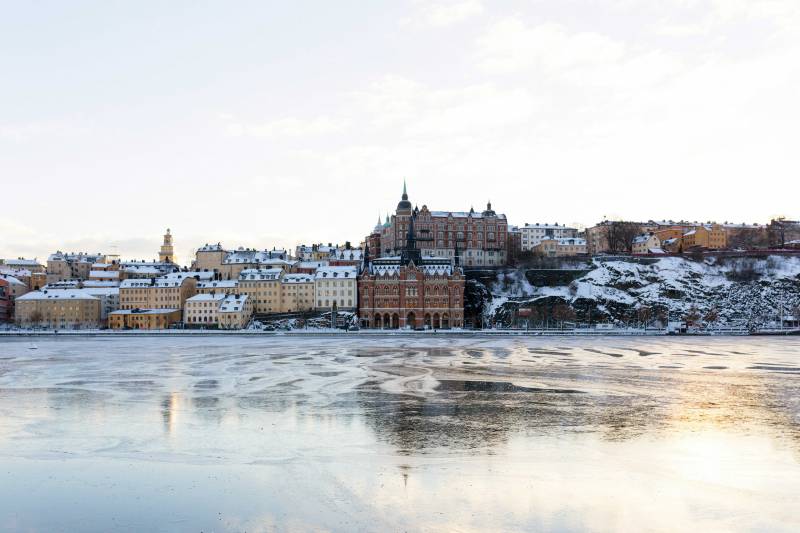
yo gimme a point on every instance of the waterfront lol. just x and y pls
(391, 434)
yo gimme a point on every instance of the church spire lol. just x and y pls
(405, 193)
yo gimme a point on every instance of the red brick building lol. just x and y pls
(411, 291)
(482, 237)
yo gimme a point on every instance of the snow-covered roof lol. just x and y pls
(16, 272)
(58, 294)
(101, 291)
(218, 284)
(336, 272)
(143, 269)
(297, 278)
(78, 257)
(312, 264)
(98, 283)
(462, 214)
(342, 254)
(642, 239)
(260, 274)
(21, 262)
(143, 311)
(655, 251)
(14, 281)
(544, 226)
(216, 297)
(233, 303)
(571, 241)
(253, 256)
(211, 248)
(104, 273)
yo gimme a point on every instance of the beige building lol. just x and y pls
(143, 318)
(235, 311)
(230, 264)
(644, 243)
(336, 285)
(66, 266)
(166, 292)
(560, 247)
(263, 287)
(203, 309)
(21, 263)
(225, 286)
(58, 309)
(297, 293)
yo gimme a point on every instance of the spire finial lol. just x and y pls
(405, 194)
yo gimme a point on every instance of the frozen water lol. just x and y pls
(399, 433)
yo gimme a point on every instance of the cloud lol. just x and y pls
(443, 13)
(510, 45)
(27, 131)
(286, 127)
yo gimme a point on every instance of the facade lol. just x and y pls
(395, 294)
(228, 286)
(336, 286)
(143, 318)
(566, 247)
(514, 246)
(58, 309)
(235, 311)
(411, 290)
(297, 293)
(346, 257)
(533, 234)
(63, 266)
(712, 237)
(263, 288)
(203, 309)
(166, 292)
(229, 264)
(644, 243)
(21, 263)
(6, 301)
(481, 236)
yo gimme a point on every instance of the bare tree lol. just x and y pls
(36, 318)
(621, 234)
(692, 316)
(711, 316)
(644, 314)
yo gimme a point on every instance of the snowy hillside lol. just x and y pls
(750, 291)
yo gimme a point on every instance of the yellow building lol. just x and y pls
(143, 318)
(643, 244)
(235, 311)
(166, 292)
(297, 293)
(566, 247)
(209, 258)
(58, 309)
(263, 287)
(712, 237)
(225, 286)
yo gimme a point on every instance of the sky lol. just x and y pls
(261, 124)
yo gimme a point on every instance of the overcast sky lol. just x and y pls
(271, 123)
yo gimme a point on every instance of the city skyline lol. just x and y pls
(272, 125)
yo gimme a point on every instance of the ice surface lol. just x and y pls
(399, 433)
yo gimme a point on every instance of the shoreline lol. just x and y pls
(384, 333)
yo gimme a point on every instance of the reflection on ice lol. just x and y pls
(391, 434)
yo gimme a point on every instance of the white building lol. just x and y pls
(533, 234)
(235, 311)
(336, 284)
(203, 309)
